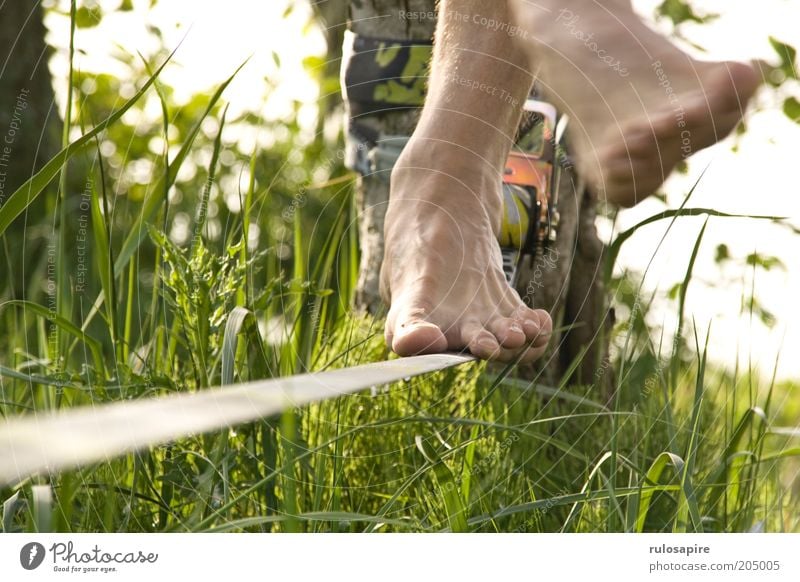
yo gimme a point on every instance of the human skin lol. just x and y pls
(638, 105)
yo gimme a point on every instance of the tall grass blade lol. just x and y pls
(35, 185)
(155, 200)
(616, 245)
(456, 511)
(10, 508)
(687, 500)
(240, 320)
(66, 326)
(653, 477)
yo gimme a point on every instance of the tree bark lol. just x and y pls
(30, 127)
(331, 16)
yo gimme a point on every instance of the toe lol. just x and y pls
(545, 330)
(532, 321)
(479, 341)
(532, 354)
(538, 328)
(738, 82)
(418, 337)
(408, 334)
(640, 171)
(508, 331)
(525, 355)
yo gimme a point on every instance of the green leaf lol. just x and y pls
(766, 262)
(752, 421)
(88, 16)
(332, 516)
(688, 509)
(688, 277)
(42, 508)
(313, 64)
(456, 512)
(653, 477)
(616, 244)
(240, 320)
(674, 291)
(38, 380)
(791, 108)
(787, 54)
(103, 255)
(10, 508)
(722, 253)
(679, 11)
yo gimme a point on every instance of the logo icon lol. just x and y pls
(31, 555)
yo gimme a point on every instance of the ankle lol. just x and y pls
(436, 181)
(449, 160)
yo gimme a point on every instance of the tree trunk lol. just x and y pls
(566, 279)
(331, 16)
(30, 128)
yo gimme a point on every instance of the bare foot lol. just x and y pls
(442, 271)
(638, 104)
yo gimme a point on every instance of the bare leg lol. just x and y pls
(442, 271)
(638, 103)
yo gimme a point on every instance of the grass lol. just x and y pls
(680, 446)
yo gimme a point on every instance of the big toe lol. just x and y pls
(410, 335)
(742, 80)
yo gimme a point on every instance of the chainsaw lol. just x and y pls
(530, 189)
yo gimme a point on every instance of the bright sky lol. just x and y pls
(760, 179)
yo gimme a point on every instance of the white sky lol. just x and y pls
(760, 179)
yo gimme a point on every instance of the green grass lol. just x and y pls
(681, 446)
(452, 452)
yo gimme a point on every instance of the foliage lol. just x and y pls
(248, 272)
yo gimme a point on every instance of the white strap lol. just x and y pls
(52, 442)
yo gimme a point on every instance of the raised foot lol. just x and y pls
(638, 104)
